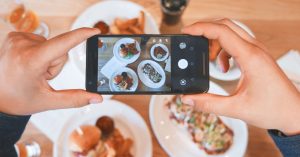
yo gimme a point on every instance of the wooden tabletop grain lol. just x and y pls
(275, 23)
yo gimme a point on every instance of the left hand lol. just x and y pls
(27, 62)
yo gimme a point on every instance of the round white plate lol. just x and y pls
(163, 47)
(177, 142)
(117, 47)
(127, 120)
(145, 79)
(234, 72)
(131, 74)
(107, 11)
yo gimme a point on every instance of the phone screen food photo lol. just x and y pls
(134, 64)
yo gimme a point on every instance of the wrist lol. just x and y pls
(292, 123)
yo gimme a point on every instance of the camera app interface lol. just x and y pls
(128, 64)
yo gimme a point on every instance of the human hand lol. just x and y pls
(27, 62)
(264, 96)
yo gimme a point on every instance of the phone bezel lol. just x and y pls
(92, 65)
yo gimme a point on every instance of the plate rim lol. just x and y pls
(123, 69)
(147, 133)
(151, 61)
(71, 54)
(155, 132)
(152, 52)
(116, 49)
(235, 77)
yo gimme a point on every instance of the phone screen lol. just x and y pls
(134, 64)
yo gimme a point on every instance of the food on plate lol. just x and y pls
(123, 26)
(88, 141)
(106, 125)
(152, 74)
(159, 52)
(100, 43)
(207, 130)
(102, 26)
(84, 139)
(128, 50)
(120, 144)
(214, 49)
(123, 81)
(129, 26)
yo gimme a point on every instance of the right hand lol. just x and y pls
(264, 96)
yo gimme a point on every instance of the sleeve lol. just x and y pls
(11, 129)
(288, 145)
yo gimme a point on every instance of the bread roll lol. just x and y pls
(85, 139)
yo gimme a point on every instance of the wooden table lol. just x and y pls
(275, 23)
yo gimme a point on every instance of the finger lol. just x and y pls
(34, 37)
(241, 32)
(55, 67)
(60, 45)
(214, 49)
(72, 98)
(230, 41)
(223, 61)
(210, 103)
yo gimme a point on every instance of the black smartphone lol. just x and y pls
(147, 64)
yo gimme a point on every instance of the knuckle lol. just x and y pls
(207, 107)
(204, 107)
(225, 21)
(224, 27)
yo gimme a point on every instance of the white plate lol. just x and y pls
(127, 120)
(145, 79)
(163, 47)
(131, 74)
(177, 142)
(117, 47)
(234, 72)
(107, 11)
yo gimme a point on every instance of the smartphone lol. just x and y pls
(147, 64)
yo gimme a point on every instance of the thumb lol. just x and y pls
(61, 44)
(211, 103)
(72, 98)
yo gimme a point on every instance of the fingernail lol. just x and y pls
(95, 101)
(188, 101)
(98, 30)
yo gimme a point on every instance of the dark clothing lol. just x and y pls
(11, 129)
(288, 145)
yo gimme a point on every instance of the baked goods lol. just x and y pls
(207, 130)
(159, 52)
(129, 26)
(151, 73)
(123, 81)
(123, 26)
(106, 125)
(90, 141)
(102, 26)
(84, 139)
(128, 50)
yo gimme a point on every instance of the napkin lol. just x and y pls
(290, 64)
(111, 67)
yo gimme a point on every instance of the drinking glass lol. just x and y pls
(21, 18)
(172, 10)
